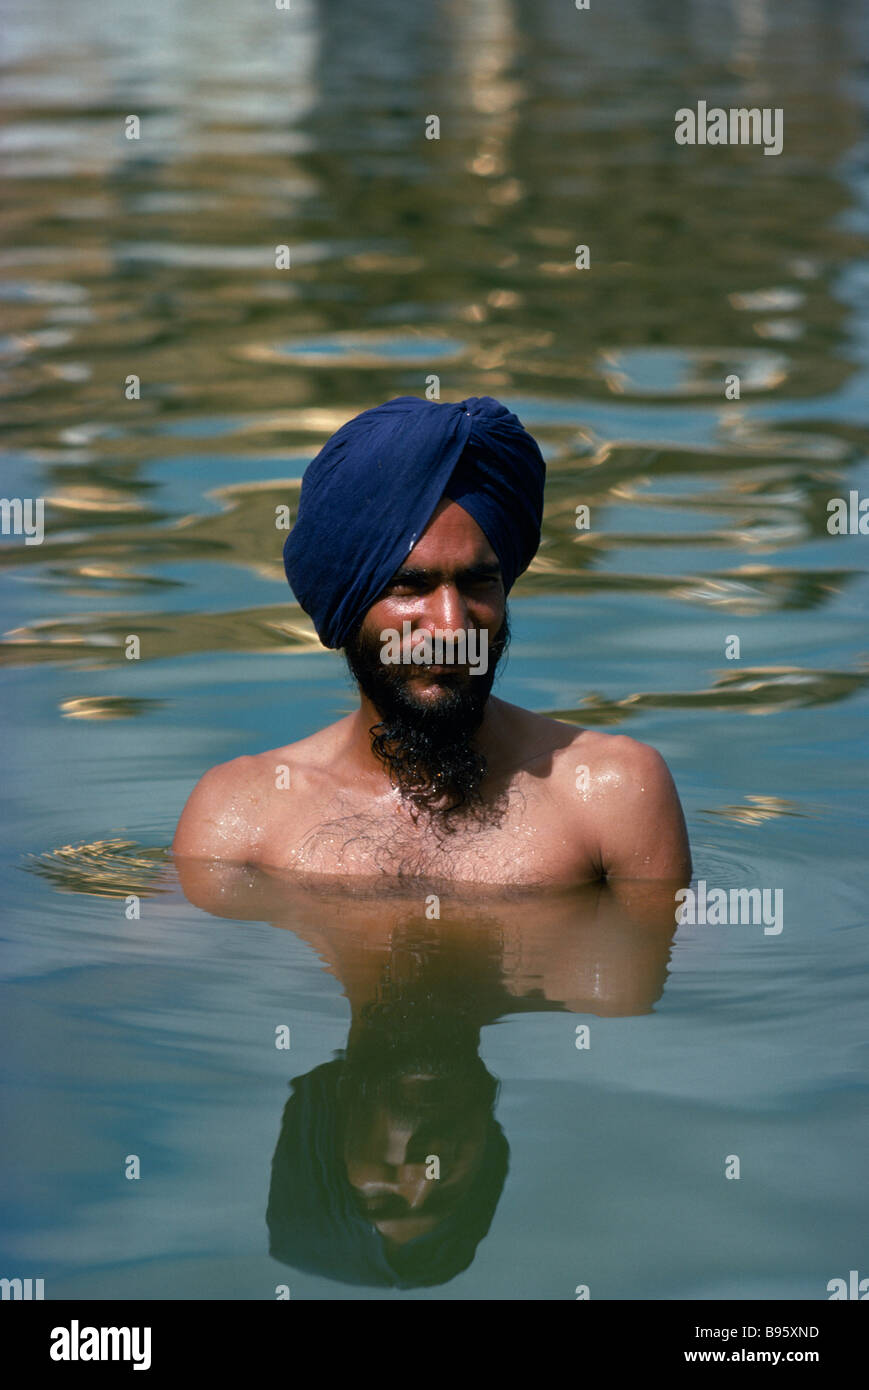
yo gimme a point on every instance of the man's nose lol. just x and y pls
(413, 1185)
(447, 608)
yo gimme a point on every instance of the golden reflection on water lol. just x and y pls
(758, 810)
(106, 707)
(762, 690)
(110, 868)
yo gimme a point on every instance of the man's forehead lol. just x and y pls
(452, 539)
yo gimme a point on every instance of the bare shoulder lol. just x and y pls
(231, 808)
(219, 818)
(570, 752)
(618, 762)
(638, 817)
(620, 792)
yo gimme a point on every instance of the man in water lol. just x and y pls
(415, 520)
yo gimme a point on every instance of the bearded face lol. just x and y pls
(425, 735)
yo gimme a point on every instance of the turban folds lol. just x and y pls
(371, 491)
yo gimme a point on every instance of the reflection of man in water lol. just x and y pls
(416, 518)
(355, 1193)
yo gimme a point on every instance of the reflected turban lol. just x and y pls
(314, 1223)
(371, 491)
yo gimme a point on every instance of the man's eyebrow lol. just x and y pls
(414, 574)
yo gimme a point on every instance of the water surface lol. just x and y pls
(155, 1036)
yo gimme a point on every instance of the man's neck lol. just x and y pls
(487, 739)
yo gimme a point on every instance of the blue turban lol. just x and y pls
(371, 491)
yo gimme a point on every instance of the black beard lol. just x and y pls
(428, 751)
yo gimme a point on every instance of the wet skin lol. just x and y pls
(341, 816)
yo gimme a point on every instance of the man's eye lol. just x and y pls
(475, 586)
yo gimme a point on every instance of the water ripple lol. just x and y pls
(762, 690)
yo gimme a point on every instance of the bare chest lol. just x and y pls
(522, 843)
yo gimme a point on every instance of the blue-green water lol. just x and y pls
(155, 1036)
